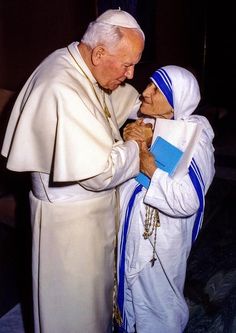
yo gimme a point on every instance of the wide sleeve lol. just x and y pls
(122, 164)
(176, 198)
(179, 198)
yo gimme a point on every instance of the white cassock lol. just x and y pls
(58, 132)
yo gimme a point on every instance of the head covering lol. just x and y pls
(118, 17)
(163, 81)
(180, 88)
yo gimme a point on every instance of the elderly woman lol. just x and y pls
(160, 222)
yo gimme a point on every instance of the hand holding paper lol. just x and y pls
(165, 156)
(173, 147)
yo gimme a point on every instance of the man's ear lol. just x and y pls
(97, 54)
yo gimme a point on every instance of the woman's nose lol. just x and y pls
(146, 92)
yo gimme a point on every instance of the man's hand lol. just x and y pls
(138, 131)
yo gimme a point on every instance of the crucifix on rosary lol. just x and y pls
(151, 223)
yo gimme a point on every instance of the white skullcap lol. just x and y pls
(118, 17)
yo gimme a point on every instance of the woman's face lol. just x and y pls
(155, 104)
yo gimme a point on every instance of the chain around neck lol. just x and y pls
(104, 107)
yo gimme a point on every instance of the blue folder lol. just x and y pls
(167, 157)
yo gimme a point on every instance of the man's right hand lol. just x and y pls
(138, 131)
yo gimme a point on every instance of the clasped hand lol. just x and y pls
(142, 134)
(138, 131)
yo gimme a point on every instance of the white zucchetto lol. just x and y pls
(118, 17)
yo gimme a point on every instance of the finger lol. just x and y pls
(139, 121)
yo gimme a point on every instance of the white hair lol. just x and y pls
(106, 29)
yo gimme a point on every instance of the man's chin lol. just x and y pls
(116, 85)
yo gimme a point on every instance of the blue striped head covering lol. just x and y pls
(162, 80)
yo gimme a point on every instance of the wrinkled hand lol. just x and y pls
(138, 131)
(147, 161)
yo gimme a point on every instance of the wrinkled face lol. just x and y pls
(114, 66)
(155, 104)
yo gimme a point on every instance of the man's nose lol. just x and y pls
(130, 72)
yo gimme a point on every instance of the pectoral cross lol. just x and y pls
(152, 261)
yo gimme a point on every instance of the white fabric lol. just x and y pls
(184, 135)
(154, 299)
(58, 132)
(54, 117)
(118, 17)
(185, 100)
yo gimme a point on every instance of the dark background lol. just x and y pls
(197, 34)
(194, 34)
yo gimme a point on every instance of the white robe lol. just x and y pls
(151, 299)
(58, 132)
(154, 299)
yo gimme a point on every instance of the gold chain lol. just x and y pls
(104, 107)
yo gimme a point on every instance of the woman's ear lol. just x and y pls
(97, 55)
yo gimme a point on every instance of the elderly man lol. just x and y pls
(64, 130)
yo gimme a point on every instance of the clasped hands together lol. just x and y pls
(142, 133)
